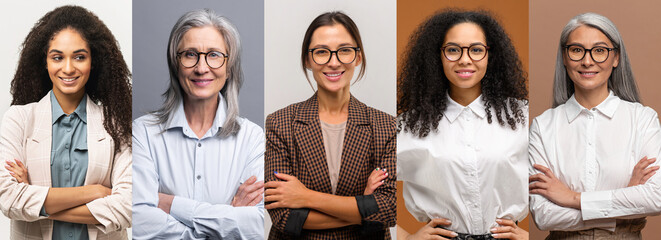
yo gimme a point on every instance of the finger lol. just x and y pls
(650, 169)
(272, 184)
(545, 170)
(11, 164)
(273, 198)
(508, 235)
(439, 222)
(443, 232)
(254, 186)
(540, 177)
(19, 163)
(538, 191)
(537, 185)
(18, 178)
(250, 180)
(647, 177)
(254, 194)
(271, 191)
(381, 178)
(256, 200)
(506, 222)
(285, 177)
(502, 229)
(272, 205)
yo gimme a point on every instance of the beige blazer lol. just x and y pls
(25, 134)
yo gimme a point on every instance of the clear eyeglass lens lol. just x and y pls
(323, 56)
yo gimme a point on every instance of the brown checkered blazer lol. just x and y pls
(294, 145)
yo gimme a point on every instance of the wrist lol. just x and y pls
(310, 199)
(577, 200)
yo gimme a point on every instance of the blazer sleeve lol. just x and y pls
(18, 201)
(114, 210)
(378, 209)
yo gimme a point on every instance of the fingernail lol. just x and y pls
(382, 181)
(378, 169)
(493, 230)
(276, 172)
(448, 221)
(386, 174)
(454, 234)
(495, 235)
(498, 220)
(385, 169)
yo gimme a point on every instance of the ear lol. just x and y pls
(359, 58)
(616, 60)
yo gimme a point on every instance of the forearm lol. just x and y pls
(341, 207)
(59, 199)
(80, 214)
(317, 220)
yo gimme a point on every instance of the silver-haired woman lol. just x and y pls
(593, 155)
(198, 166)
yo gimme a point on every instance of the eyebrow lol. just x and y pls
(326, 46)
(454, 43)
(58, 51)
(196, 50)
(595, 44)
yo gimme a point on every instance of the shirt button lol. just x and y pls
(70, 234)
(198, 177)
(68, 129)
(66, 146)
(199, 144)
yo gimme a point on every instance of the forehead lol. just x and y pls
(588, 36)
(331, 35)
(465, 33)
(67, 39)
(202, 38)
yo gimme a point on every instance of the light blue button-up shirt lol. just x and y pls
(69, 159)
(203, 174)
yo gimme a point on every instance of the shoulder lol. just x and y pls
(20, 113)
(639, 110)
(249, 129)
(146, 125)
(551, 115)
(284, 115)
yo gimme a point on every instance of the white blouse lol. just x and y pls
(468, 171)
(593, 151)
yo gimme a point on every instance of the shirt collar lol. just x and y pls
(607, 107)
(56, 109)
(178, 119)
(455, 109)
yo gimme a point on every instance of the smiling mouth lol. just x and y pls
(465, 73)
(336, 74)
(587, 74)
(201, 80)
(71, 79)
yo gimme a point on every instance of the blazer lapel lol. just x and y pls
(355, 149)
(38, 146)
(99, 152)
(307, 132)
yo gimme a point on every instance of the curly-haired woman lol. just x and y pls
(462, 145)
(66, 138)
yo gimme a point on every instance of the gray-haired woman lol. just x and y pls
(593, 155)
(199, 166)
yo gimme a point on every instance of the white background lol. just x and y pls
(18, 18)
(285, 23)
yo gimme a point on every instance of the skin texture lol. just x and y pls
(590, 90)
(201, 85)
(465, 89)
(68, 57)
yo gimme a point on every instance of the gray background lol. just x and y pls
(152, 22)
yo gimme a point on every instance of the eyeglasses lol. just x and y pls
(345, 55)
(453, 52)
(598, 54)
(214, 59)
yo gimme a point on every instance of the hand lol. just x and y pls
(509, 230)
(100, 191)
(289, 193)
(165, 202)
(375, 180)
(547, 185)
(433, 230)
(249, 193)
(641, 172)
(18, 171)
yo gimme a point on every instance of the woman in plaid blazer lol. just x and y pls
(317, 188)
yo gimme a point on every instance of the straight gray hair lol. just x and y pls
(173, 95)
(621, 81)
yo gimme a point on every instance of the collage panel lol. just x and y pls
(65, 130)
(198, 143)
(463, 114)
(603, 128)
(338, 146)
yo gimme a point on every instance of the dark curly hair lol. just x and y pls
(109, 81)
(422, 84)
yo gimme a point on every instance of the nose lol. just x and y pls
(587, 59)
(334, 61)
(202, 67)
(68, 67)
(464, 59)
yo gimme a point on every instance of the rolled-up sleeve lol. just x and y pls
(18, 201)
(114, 210)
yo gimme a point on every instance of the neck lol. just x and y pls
(333, 106)
(200, 114)
(590, 98)
(68, 102)
(465, 96)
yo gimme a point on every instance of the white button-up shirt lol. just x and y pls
(468, 171)
(593, 151)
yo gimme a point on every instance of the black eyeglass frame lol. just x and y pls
(586, 50)
(206, 54)
(486, 48)
(355, 49)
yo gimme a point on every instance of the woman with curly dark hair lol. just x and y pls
(66, 138)
(462, 145)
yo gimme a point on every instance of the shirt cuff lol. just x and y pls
(297, 217)
(43, 213)
(367, 206)
(182, 209)
(596, 205)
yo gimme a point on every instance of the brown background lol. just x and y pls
(640, 26)
(513, 15)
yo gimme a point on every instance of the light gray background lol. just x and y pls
(152, 22)
(18, 18)
(285, 23)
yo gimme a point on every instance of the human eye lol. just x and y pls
(452, 49)
(576, 49)
(321, 52)
(477, 49)
(80, 57)
(190, 54)
(214, 54)
(599, 50)
(345, 50)
(56, 58)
